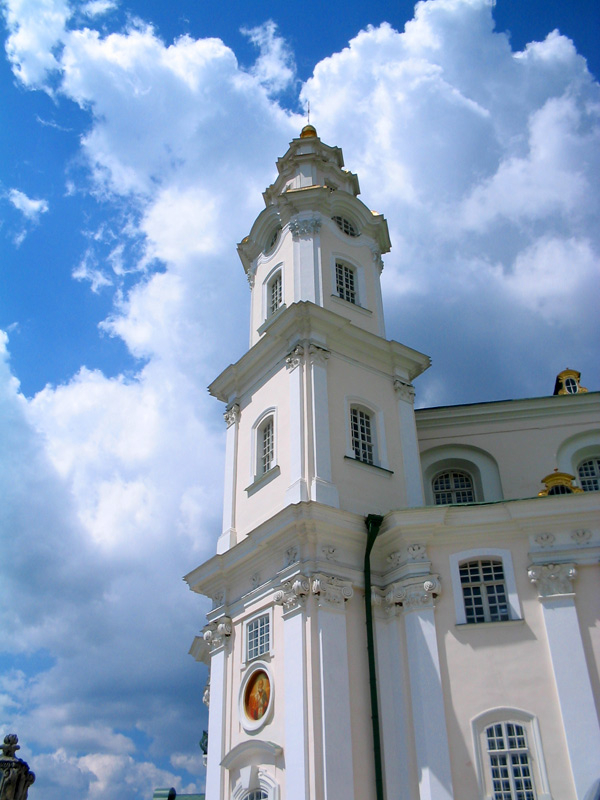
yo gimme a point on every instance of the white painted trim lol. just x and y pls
(265, 290)
(216, 725)
(534, 743)
(360, 285)
(482, 467)
(297, 491)
(576, 449)
(456, 559)
(295, 705)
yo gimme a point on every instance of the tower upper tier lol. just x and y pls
(315, 241)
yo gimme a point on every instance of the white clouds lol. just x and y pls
(30, 208)
(274, 68)
(36, 29)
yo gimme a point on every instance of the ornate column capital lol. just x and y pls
(304, 227)
(317, 354)
(404, 390)
(331, 591)
(552, 579)
(292, 594)
(232, 414)
(294, 359)
(422, 593)
(215, 634)
(376, 255)
(251, 275)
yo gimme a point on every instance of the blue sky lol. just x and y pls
(135, 142)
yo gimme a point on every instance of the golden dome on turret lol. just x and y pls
(308, 131)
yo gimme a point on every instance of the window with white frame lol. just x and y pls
(362, 435)
(589, 475)
(266, 445)
(453, 486)
(509, 762)
(345, 282)
(346, 226)
(484, 590)
(484, 586)
(258, 637)
(509, 757)
(274, 293)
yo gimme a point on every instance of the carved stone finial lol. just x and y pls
(552, 579)
(15, 775)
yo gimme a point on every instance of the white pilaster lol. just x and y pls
(292, 598)
(413, 479)
(429, 719)
(335, 687)
(228, 535)
(392, 703)
(297, 491)
(322, 489)
(578, 710)
(216, 635)
(306, 249)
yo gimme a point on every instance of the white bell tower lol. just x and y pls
(320, 433)
(320, 408)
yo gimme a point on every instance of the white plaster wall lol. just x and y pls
(498, 665)
(525, 449)
(253, 508)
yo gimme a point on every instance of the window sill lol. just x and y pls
(271, 318)
(347, 303)
(507, 623)
(262, 480)
(369, 466)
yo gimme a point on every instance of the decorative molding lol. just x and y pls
(304, 227)
(411, 554)
(317, 355)
(232, 414)
(218, 599)
(294, 359)
(251, 275)
(332, 591)
(329, 552)
(405, 391)
(552, 579)
(215, 634)
(422, 593)
(545, 539)
(292, 593)
(376, 255)
(292, 554)
(581, 536)
(255, 580)
(206, 693)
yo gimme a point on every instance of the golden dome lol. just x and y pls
(308, 131)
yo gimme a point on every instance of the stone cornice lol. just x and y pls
(305, 320)
(499, 412)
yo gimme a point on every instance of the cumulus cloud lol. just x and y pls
(485, 163)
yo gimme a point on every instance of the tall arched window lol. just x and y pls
(589, 475)
(510, 762)
(256, 794)
(453, 486)
(362, 435)
(275, 293)
(266, 446)
(345, 282)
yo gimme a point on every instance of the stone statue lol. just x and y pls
(15, 775)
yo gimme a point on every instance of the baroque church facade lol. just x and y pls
(396, 613)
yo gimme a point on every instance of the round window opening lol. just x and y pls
(257, 695)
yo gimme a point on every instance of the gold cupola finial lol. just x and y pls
(308, 131)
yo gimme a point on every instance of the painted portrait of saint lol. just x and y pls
(257, 696)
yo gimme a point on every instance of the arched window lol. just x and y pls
(256, 794)
(266, 446)
(274, 293)
(362, 435)
(510, 763)
(484, 590)
(453, 486)
(345, 282)
(346, 226)
(589, 475)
